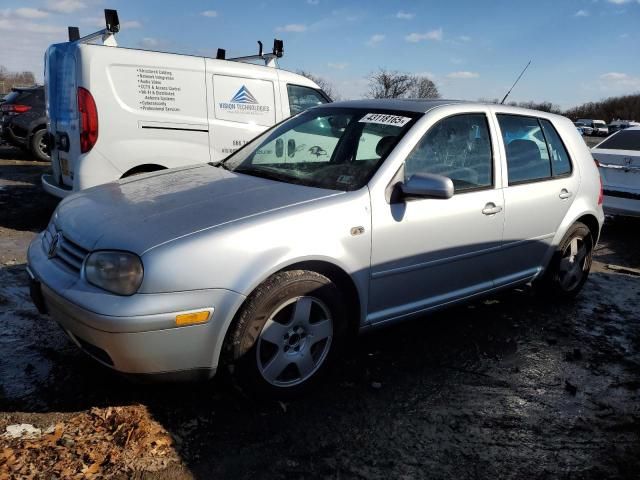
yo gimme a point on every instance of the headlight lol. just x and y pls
(117, 272)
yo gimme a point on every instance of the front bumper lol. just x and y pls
(136, 334)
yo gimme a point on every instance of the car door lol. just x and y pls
(540, 186)
(428, 252)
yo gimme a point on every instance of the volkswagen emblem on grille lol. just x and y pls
(53, 246)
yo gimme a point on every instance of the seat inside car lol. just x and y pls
(384, 146)
(525, 162)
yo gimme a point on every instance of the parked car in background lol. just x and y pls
(619, 160)
(617, 125)
(116, 112)
(271, 262)
(24, 121)
(599, 127)
(586, 130)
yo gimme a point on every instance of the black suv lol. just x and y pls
(23, 120)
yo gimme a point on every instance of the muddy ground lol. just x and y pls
(506, 387)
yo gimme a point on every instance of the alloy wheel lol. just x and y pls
(294, 341)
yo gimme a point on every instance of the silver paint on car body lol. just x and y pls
(208, 237)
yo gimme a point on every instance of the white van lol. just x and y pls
(599, 126)
(115, 112)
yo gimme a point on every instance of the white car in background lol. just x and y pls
(619, 160)
(599, 127)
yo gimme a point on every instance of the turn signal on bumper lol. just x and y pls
(192, 318)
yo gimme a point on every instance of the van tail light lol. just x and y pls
(13, 108)
(88, 120)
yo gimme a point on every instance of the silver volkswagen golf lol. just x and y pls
(346, 217)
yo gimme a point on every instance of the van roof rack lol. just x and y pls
(112, 26)
(107, 34)
(269, 59)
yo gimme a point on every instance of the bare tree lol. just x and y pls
(424, 88)
(8, 79)
(323, 83)
(393, 84)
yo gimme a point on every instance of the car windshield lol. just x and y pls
(623, 140)
(333, 148)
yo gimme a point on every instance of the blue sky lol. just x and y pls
(582, 50)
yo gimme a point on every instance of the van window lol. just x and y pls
(560, 163)
(457, 147)
(527, 153)
(302, 98)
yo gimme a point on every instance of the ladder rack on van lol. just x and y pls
(112, 26)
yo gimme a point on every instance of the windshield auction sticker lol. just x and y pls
(384, 119)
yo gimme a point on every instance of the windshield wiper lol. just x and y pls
(220, 164)
(267, 173)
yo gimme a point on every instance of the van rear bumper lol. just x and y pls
(54, 188)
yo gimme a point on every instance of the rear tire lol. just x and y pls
(287, 335)
(38, 145)
(569, 268)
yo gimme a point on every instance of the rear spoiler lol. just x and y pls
(112, 26)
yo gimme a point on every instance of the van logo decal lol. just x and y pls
(243, 103)
(244, 96)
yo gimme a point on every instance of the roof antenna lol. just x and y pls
(514, 83)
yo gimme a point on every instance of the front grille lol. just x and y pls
(66, 252)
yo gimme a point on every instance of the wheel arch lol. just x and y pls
(144, 168)
(331, 270)
(592, 224)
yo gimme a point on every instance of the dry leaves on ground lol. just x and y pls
(101, 442)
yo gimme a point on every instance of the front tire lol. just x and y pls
(38, 145)
(569, 268)
(287, 334)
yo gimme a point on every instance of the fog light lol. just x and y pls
(192, 318)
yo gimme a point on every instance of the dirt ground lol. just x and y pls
(506, 387)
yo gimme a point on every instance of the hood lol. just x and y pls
(142, 212)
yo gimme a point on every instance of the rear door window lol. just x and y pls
(527, 152)
(560, 163)
(302, 98)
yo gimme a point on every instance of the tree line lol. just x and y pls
(385, 83)
(9, 80)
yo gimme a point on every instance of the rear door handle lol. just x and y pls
(564, 194)
(491, 209)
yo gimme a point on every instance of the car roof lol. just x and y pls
(424, 105)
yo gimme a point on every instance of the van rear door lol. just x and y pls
(62, 109)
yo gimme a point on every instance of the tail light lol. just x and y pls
(14, 108)
(601, 194)
(88, 120)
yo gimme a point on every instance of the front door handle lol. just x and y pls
(564, 194)
(491, 209)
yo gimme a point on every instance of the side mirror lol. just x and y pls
(427, 185)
